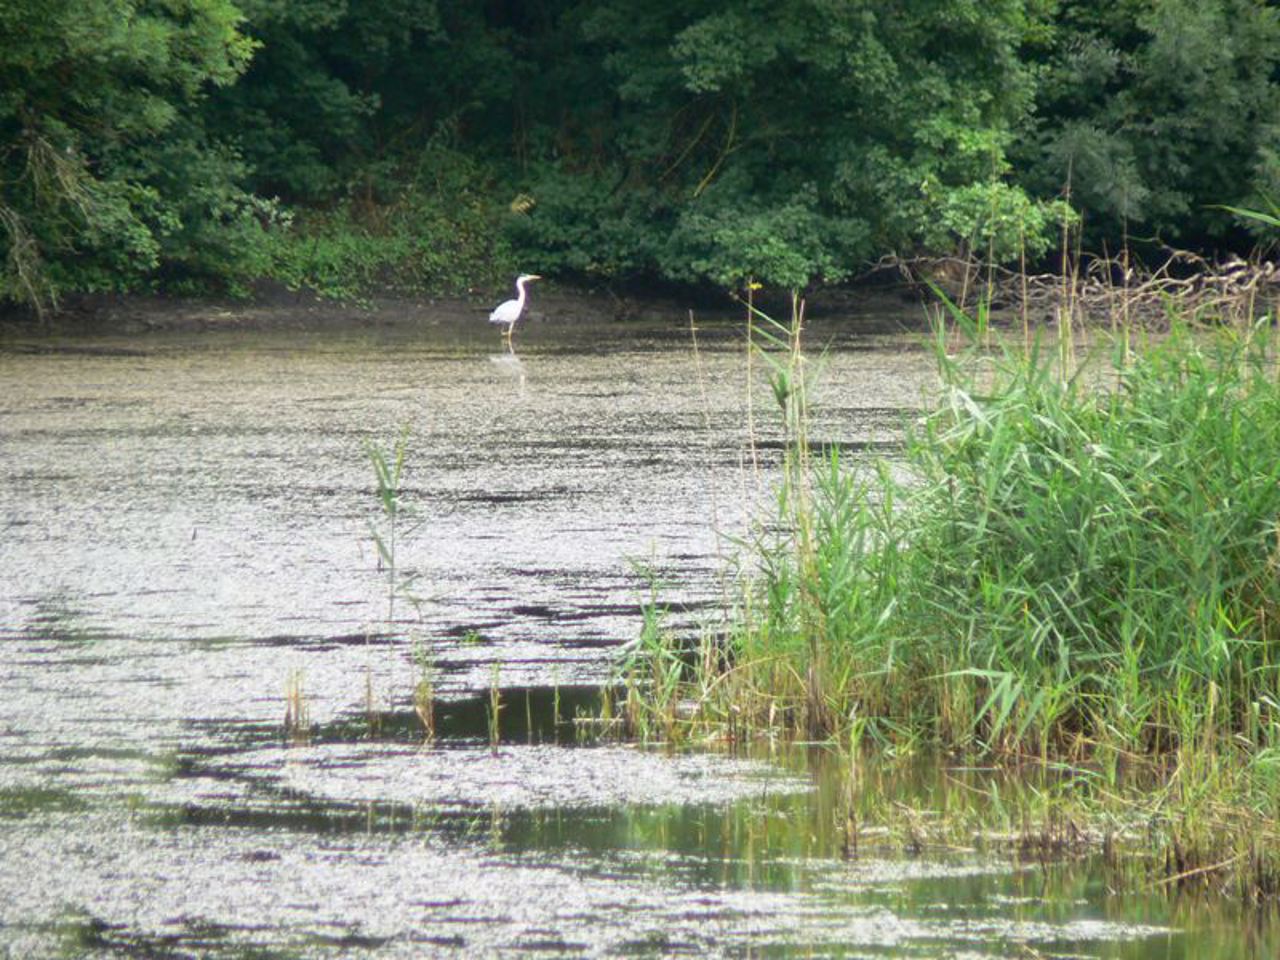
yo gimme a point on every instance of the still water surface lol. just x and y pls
(185, 532)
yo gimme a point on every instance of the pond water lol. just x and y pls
(186, 540)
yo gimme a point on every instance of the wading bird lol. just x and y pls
(509, 311)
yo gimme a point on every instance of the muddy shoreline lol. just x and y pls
(272, 307)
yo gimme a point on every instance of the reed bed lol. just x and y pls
(1073, 561)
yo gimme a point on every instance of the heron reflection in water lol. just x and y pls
(509, 364)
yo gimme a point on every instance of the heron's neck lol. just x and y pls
(520, 291)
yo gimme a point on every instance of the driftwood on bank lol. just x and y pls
(1111, 289)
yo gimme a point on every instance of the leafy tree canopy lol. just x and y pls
(1153, 113)
(788, 141)
(105, 170)
(154, 142)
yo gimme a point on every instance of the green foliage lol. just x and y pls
(442, 232)
(790, 142)
(998, 221)
(1155, 112)
(1084, 559)
(1119, 543)
(582, 225)
(95, 187)
(345, 143)
(788, 244)
(1265, 222)
(309, 112)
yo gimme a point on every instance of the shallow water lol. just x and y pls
(186, 533)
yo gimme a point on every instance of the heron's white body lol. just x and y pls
(509, 311)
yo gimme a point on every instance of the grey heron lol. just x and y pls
(509, 311)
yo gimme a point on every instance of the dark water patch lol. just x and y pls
(381, 637)
(525, 715)
(823, 446)
(466, 632)
(87, 936)
(444, 942)
(593, 394)
(602, 642)
(870, 413)
(348, 941)
(33, 477)
(79, 755)
(560, 615)
(507, 497)
(277, 812)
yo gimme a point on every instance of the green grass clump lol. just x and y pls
(430, 228)
(1077, 563)
(1060, 562)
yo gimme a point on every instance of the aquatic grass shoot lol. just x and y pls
(493, 710)
(424, 690)
(372, 712)
(297, 716)
(388, 470)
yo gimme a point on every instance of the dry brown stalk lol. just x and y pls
(1230, 291)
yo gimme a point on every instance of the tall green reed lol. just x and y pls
(392, 524)
(1073, 557)
(1083, 559)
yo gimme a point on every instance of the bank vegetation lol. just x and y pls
(443, 144)
(1072, 564)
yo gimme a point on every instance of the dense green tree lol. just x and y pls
(373, 120)
(324, 100)
(715, 140)
(791, 141)
(1153, 113)
(431, 142)
(105, 169)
